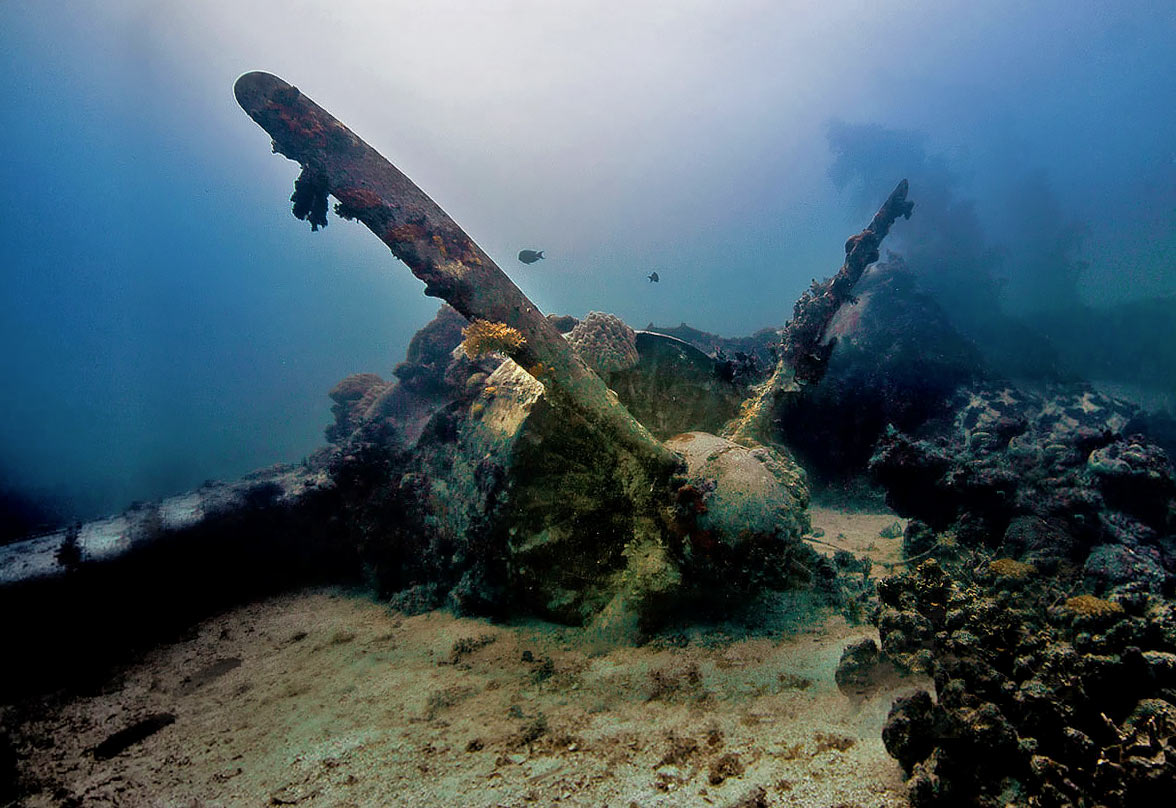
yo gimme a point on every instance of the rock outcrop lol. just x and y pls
(1050, 478)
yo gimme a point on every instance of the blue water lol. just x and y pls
(166, 320)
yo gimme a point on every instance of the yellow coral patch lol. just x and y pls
(1090, 606)
(1010, 568)
(482, 337)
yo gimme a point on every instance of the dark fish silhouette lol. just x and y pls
(530, 256)
(653, 278)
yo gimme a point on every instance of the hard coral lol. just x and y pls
(604, 342)
(1050, 478)
(1034, 706)
(1011, 569)
(430, 353)
(353, 398)
(1090, 606)
(482, 337)
(354, 387)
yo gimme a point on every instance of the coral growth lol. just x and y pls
(604, 342)
(310, 198)
(1046, 623)
(482, 337)
(353, 399)
(804, 346)
(430, 352)
(1034, 705)
(898, 362)
(1011, 569)
(1049, 478)
(1090, 606)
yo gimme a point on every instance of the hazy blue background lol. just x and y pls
(166, 320)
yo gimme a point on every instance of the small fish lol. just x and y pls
(653, 278)
(530, 256)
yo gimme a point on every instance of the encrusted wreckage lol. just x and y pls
(593, 474)
(530, 473)
(579, 470)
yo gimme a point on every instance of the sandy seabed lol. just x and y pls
(323, 699)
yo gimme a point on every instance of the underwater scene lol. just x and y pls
(504, 403)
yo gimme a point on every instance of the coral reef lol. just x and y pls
(1051, 478)
(604, 342)
(1054, 677)
(1035, 705)
(1044, 614)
